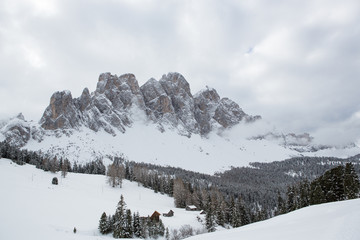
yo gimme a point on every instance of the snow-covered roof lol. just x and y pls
(191, 206)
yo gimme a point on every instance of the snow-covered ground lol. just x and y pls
(32, 208)
(145, 143)
(331, 221)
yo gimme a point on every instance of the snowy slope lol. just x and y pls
(145, 143)
(32, 208)
(332, 221)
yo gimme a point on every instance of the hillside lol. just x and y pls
(332, 221)
(32, 208)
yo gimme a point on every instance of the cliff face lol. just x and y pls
(117, 101)
(167, 102)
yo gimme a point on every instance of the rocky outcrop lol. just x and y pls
(159, 107)
(61, 113)
(178, 89)
(167, 102)
(206, 102)
(17, 131)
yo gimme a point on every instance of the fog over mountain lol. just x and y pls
(294, 63)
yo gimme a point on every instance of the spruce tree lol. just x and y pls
(104, 226)
(119, 219)
(291, 202)
(351, 182)
(136, 225)
(281, 206)
(209, 218)
(220, 214)
(317, 194)
(160, 229)
(244, 217)
(304, 191)
(128, 229)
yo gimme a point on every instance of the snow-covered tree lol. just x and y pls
(351, 182)
(119, 219)
(136, 225)
(209, 218)
(104, 226)
(128, 229)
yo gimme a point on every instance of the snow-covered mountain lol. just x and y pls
(161, 122)
(118, 101)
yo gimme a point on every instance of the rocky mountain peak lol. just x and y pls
(167, 102)
(158, 104)
(175, 84)
(208, 94)
(84, 100)
(61, 113)
(20, 116)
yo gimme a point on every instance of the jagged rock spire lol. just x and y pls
(167, 102)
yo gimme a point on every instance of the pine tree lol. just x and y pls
(244, 217)
(104, 226)
(151, 228)
(136, 225)
(119, 219)
(235, 220)
(220, 214)
(304, 191)
(337, 178)
(229, 210)
(111, 221)
(209, 218)
(144, 228)
(281, 206)
(128, 229)
(161, 229)
(317, 194)
(291, 196)
(351, 182)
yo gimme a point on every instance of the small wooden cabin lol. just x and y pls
(191, 208)
(169, 214)
(155, 216)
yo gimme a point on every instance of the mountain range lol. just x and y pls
(118, 101)
(162, 118)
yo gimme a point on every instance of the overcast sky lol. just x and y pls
(296, 63)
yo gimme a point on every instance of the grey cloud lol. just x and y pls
(301, 74)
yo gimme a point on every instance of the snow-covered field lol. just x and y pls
(32, 208)
(331, 221)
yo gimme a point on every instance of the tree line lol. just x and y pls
(49, 163)
(337, 184)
